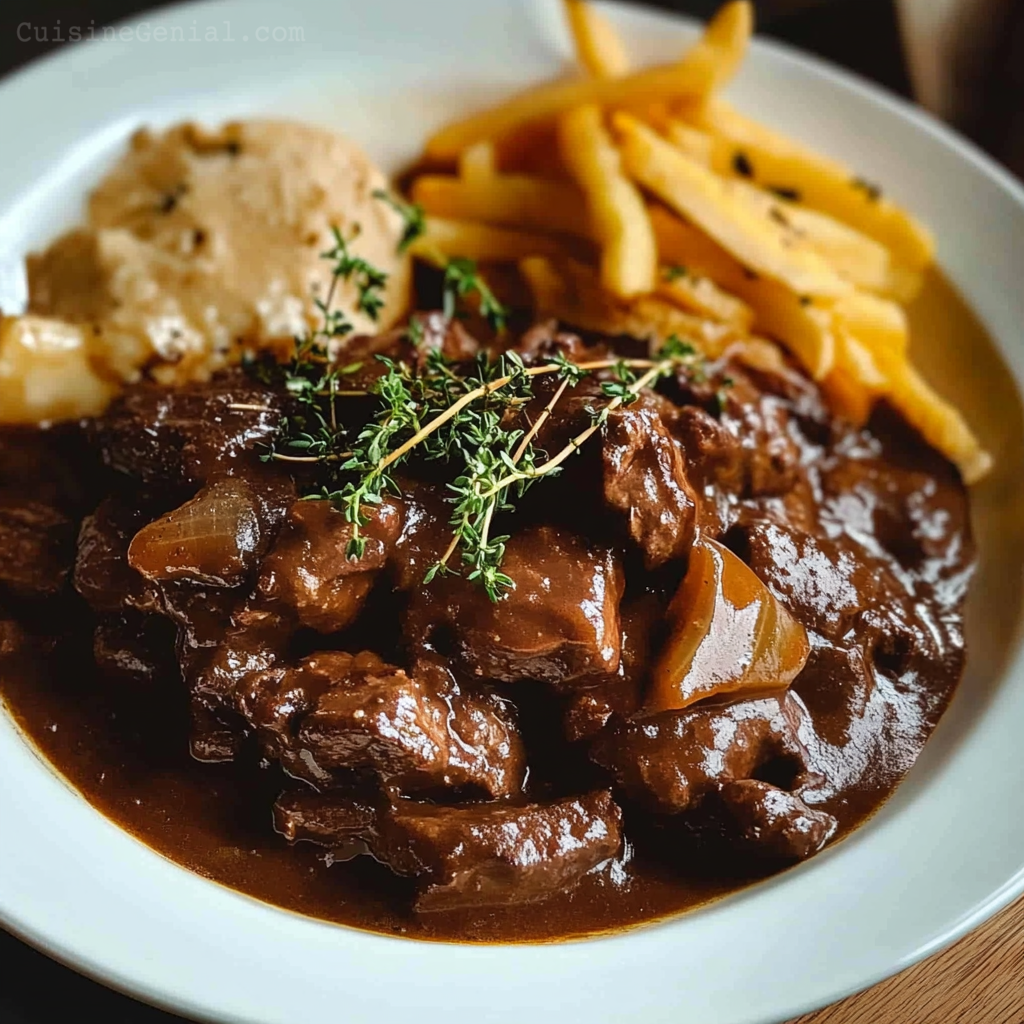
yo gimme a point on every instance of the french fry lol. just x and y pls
(696, 144)
(512, 200)
(749, 149)
(531, 149)
(853, 255)
(571, 292)
(937, 421)
(478, 162)
(46, 372)
(856, 257)
(446, 239)
(629, 252)
(728, 33)
(598, 46)
(705, 67)
(707, 200)
(879, 324)
(806, 330)
(857, 382)
(698, 294)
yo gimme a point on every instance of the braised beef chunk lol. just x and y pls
(645, 480)
(275, 702)
(102, 574)
(755, 449)
(187, 435)
(134, 648)
(249, 645)
(593, 700)
(669, 761)
(328, 819)
(748, 759)
(772, 823)
(488, 854)
(413, 736)
(36, 547)
(309, 572)
(559, 622)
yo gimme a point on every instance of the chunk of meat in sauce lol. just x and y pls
(670, 762)
(594, 700)
(645, 482)
(102, 574)
(336, 712)
(773, 824)
(249, 645)
(134, 648)
(327, 819)
(36, 547)
(474, 855)
(559, 622)
(413, 737)
(308, 571)
(182, 437)
(742, 436)
(497, 854)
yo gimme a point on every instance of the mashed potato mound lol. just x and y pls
(199, 245)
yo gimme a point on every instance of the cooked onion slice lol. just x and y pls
(730, 637)
(212, 539)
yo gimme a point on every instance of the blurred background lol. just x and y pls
(962, 59)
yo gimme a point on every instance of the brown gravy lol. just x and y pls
(125, 752)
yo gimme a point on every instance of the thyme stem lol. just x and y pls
(656, 371)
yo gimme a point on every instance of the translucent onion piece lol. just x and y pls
(213, 539)
(729, 637)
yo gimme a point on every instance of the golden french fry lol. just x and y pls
(598, 46)
(853, 255)
(904, 284)
(857, 382)
(571, 291)
(806, 330)
(728, 34)
(708, 201)
(511, 200)
(937, 421)
(696, 144)
(705, 67)
(629, 252)
(879, 324)
(698, 294)
(445, 239)
(750, 150)
(478, 162)
(547, 285)
(46, 372)
(847, 398)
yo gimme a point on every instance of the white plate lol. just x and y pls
(945, 853)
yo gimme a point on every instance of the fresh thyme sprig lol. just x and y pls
(469, 417)
(413, 217)
(461, 279)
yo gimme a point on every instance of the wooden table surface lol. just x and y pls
(980, 980)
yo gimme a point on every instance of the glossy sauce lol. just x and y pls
(125, 751)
